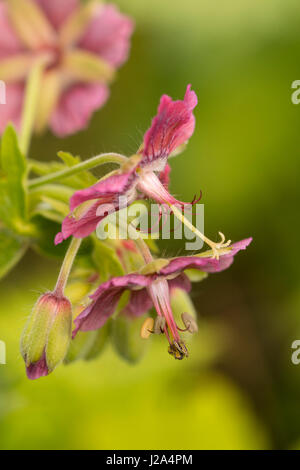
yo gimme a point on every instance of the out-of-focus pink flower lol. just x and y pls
(81, 46)
(148, 173)
(153, 289)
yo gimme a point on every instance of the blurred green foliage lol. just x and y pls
(239, 389)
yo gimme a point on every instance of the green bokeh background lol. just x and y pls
(239, 389)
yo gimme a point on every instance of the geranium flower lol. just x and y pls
(81, 46)
(146, 172)
(151, 287)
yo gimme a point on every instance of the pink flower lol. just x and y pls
(81, 45)
(147, 172)
(153, 289)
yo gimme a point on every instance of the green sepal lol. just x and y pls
(125, 337)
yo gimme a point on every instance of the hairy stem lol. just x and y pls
(67, 266)
(86, 165)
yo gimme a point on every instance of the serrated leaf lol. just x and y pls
(68, 158)
(12, 250)
(13, 203)
(85, 177)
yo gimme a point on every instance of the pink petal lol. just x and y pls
(139, 303)
(108, 35)
(105, 300)
(112, 186)
(208, 265)
(76, 107)
(58, 11)
(81, 227)
(12, 110)
(38, 369)
(172, 126)
(164, 176)
(9, 41)
(180, 282)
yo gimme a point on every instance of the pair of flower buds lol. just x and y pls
(46, 338)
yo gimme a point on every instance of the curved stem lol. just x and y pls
(86, 165)
(67, 266)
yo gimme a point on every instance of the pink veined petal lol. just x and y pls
(12, 110)
(9, 41)
(58, 11)
(150, 185)
(112, 186)
(80, 227)
(208, 264)
(108, 35)
(171, 127)
(139, 303)
(105, 300)
(76, 106)
(164, 176)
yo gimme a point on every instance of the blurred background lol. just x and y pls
(239, 389)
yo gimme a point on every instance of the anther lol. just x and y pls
(146, 329)
(189, 322)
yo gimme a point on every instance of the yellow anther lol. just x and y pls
(147, 328)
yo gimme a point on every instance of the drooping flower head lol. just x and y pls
(81, 46)
(151, 287)
(147, 172)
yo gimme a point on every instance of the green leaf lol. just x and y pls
(12, 250)
(106, 260)
(44, 240)
(85, 178)
(13, 203)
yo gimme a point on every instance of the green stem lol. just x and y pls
(67, 266)
(86, 165)
(32, 93)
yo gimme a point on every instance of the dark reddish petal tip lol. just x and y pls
(38, 369)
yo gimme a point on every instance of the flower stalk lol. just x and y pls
(101, 159)
(67, 266)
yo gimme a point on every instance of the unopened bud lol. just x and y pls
(190, 323)
(46, 337)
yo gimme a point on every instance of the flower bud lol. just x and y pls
(46, 337)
